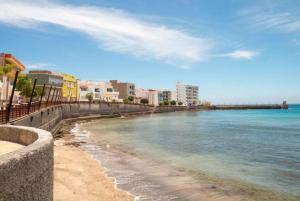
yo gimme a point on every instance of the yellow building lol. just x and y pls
(69, 90)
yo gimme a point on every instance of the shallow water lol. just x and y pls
(255, 147)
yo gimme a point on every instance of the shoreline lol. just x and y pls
(252, 192)
(78, 176)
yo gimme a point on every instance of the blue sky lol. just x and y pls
(236, 51)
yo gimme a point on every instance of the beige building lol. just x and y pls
(102, 91)
(154, 96)
(125, 89)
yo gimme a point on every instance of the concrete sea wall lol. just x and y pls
(27, 173)
(50, 119)
(162, 109)
(79, 110)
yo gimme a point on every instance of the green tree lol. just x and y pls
(166, 102)
(173, 102)
(180, 103)
(195, 102)
(144, 101)
(130, 98)
(161, 103)
(8, 70)
(90, 96)
(125, 100)
(24, 86)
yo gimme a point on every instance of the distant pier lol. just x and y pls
(249, 107)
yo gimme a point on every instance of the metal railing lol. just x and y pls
(20, 110)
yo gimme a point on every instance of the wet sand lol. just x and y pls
(6, 147)
(78, 177)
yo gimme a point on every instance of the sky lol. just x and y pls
(237, 52)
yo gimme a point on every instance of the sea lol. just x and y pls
(203, 155)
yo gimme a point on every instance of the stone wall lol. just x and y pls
(27, 173)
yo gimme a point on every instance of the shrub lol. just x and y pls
(166, 102)
(130, 98)
(90, 97)
(144, 101)
(125, 100)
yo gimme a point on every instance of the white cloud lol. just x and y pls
(241, 54)
(32, 66)
(262, 19)
(114, 30)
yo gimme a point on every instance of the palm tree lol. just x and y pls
(8, 72)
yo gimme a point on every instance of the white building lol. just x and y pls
(101, 91)
(141, 93)
(174, 96)
(187, 94)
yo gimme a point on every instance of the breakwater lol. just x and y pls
(248, 107)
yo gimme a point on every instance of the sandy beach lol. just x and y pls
(78, 177)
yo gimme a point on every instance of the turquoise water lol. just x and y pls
(257, 146)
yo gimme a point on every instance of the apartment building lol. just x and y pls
(167, 96)
(125, 89)
(50, 79)
(102, 91)
(154, 96)
(174, 95)
(187, 94)
(70, 89)
(110, 94)
(6, 78)
(86, 87)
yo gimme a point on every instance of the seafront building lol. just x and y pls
(174, 96)
(51, 80)
(70, 89)
(110, 94)
(125, 89)
(102, 91)
(187, 94)
(167, 96)
(154, 97)
(86, 87)
(6, 77)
